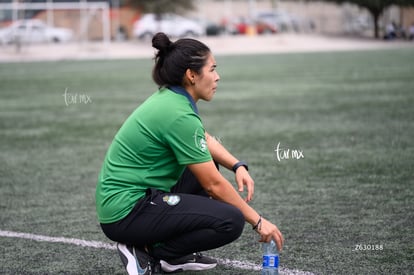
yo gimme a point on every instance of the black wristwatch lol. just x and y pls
(238, 164)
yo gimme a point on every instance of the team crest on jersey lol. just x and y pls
(200, 141)
(171, 199)
(203, 144)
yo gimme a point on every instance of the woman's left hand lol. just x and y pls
(243, 179)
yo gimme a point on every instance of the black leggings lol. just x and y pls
(175, 224)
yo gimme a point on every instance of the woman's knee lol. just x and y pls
(239, 222)
(234, 223)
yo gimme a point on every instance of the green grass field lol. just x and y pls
(347, 207)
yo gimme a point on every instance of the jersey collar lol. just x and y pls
(180, 90)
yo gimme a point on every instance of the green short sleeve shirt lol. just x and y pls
(150, 150)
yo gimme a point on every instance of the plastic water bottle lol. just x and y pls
(270, 259)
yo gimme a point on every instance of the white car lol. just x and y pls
(33, 31)
(171, 24)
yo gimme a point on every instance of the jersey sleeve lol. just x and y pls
(187, 140)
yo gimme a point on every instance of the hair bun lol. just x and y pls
(161, 42)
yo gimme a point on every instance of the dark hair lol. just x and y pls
(174, 58)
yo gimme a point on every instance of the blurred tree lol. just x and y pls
(162, 6)
(375, 7)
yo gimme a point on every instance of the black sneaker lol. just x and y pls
(136, 261)
(195, 261)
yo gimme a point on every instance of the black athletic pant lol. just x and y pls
(179, 223)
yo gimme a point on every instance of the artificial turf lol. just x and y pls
(345, 206)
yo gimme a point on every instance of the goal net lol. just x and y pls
(89, 21)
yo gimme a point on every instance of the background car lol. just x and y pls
(210, 28)
(33, 31)
(241, 25)
(171, 24)
(284, 21)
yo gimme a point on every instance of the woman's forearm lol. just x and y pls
(219, 153)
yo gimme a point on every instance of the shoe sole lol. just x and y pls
(128, 260)
(185, 267)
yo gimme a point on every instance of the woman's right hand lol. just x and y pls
(268, 231)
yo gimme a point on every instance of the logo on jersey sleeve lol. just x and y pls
(200, 140)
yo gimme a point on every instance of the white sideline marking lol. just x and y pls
(96, 244)
(41, 238)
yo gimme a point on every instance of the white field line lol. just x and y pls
(96, 244)
(41, 238)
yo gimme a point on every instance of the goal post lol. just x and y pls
(87, 11)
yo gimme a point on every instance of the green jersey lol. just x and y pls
(150, 150)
